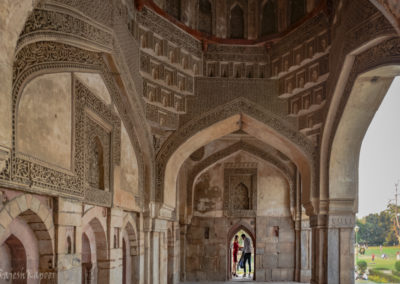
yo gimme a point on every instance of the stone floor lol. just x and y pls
(241, 281)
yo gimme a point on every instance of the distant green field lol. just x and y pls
(380, 263)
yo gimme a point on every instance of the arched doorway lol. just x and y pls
(94, 253)
(26, 244)
(86, 260)
(130, 258)
(240, 230)
(13, 259)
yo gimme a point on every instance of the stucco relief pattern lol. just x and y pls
(242, 202)
(56, 23)
(168, 31)
(111, 141)
(99, 10)
(37, 58)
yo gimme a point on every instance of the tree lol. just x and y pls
(393, 210)
(376, 229)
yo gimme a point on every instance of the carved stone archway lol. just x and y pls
(240, 146)
(236, 228)
(223, 120)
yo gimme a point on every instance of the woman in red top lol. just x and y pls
(235, 253)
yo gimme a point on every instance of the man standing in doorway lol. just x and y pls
(247, 253)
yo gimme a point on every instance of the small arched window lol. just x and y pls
(237, 22)
(96, 165)
(269, 23)
(205, 17)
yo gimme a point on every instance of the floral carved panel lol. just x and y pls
(240, 191)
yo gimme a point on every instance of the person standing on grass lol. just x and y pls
(373, 257)
(247, 253)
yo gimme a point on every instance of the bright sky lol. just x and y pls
(379, 167)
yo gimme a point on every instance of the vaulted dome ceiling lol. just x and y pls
(235, 21)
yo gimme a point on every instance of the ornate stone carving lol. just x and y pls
(168, 31)
(100, 10)
(4, 163)
(109, 141)
(40, 56)
(240, 192)
(56, 24)
(50, 52)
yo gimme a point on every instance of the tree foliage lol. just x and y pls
(362, 265)
(377, 229)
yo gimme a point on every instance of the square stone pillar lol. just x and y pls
(141, 251)
(68, 226)
(319, 249)
(156, 261)
(333, 251)
(305, 251)
(183, 243)
(115, 245)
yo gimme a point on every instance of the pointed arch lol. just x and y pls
(339, 167)
(130, 237)
(237, 22)
(35, 219)
(223, 120)
(269, 20)
(242, 225)
(270, 159)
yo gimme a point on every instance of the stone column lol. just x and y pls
(305, 251)
(156, 261)
(155, 257)
(318, 260)
(297, 254)
(141, 250)
(68, 224)
(115, 256)
(147, 254)
(183, 232)
(341, 249)
(333, 252)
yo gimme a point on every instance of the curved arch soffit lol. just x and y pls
(223, 120)
(127, 221)
(366, 96)
(28, 202)
(376, 62)
(233, 149)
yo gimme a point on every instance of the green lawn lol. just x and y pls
(380, 263)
